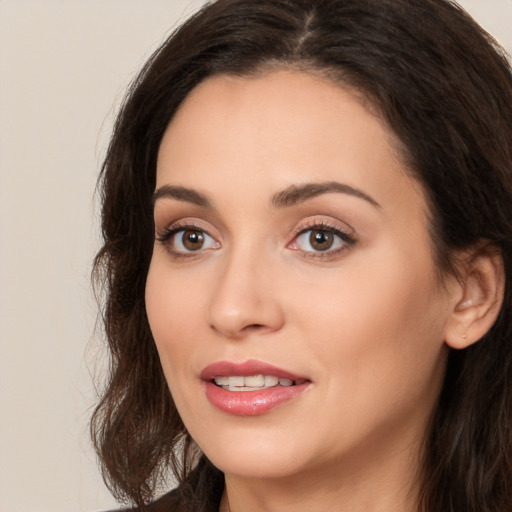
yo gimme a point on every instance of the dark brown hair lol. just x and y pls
(444, 87)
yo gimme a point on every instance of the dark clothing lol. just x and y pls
(201, 492)
(167, 503)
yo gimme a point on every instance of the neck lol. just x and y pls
(386, 486)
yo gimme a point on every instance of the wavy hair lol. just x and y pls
(444, 87)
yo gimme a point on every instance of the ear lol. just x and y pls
(479, 297)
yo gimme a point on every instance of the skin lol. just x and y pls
(366, 322)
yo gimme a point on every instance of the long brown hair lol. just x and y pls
(444, 87)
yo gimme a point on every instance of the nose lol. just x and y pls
(244, 300)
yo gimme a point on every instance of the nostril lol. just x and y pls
(254, 327)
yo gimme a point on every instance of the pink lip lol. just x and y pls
(251, 367)
(250, 403)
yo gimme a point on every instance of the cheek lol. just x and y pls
(172, 307)
(377, 320)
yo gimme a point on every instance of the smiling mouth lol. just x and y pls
(253, 382)
(251, 388)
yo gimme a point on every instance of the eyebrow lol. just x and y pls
(300, 193)
(290, 196)
(188, 195)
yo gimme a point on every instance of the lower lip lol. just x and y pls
(252, 403)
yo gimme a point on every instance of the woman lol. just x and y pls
(307, 216)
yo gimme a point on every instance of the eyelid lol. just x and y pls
(163, 236)
(323, 222)
(346, 234)
(186, 223)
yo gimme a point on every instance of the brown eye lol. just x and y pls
(187, 240)
(321, 240)
(192, 240)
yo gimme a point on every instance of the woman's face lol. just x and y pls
(293, 245)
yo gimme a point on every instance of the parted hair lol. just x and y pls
(443, 86)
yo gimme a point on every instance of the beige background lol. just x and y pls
(64, 65)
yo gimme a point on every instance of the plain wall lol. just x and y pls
(64, 65)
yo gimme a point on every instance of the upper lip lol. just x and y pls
(251, 367)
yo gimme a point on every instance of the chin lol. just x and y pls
(250, 457)
(256, 468)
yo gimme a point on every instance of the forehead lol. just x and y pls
(309, 99)
(279, 129)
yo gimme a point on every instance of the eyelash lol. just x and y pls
(347, 240)
(168, 233)
(322, 226)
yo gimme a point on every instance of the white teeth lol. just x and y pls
(250, 382)
(243, 388)
(236, 381)
(271, 381)
(255, 380)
